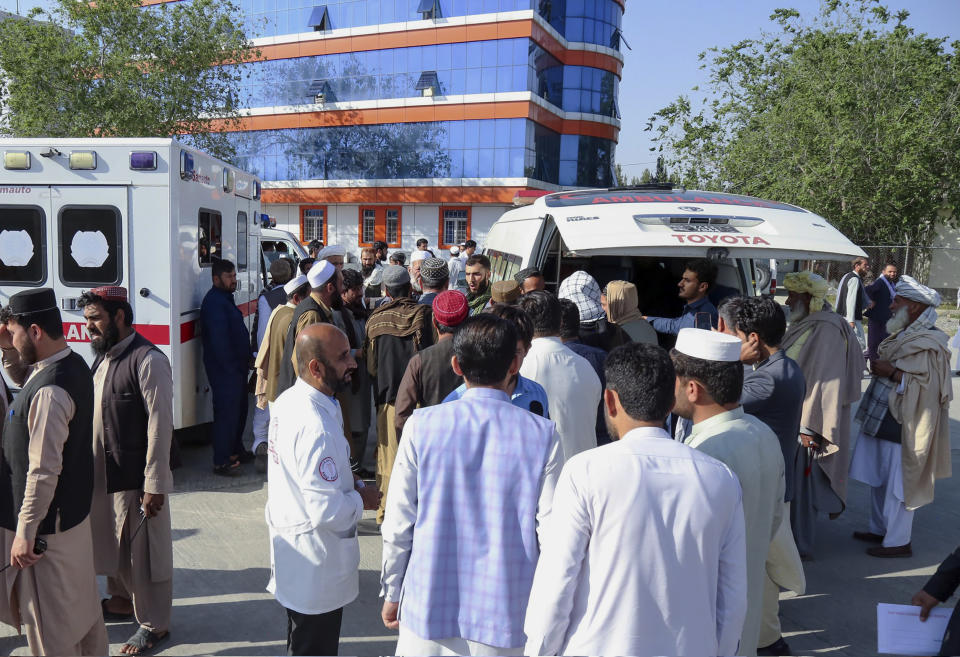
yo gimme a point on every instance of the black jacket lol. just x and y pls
(941, 585)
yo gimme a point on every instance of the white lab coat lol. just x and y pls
(752, 451)
(312, 507)
(573, 390)
(643, 554)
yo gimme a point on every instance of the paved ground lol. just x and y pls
(222, 563)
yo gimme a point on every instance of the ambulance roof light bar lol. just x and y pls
(143, 161)
(83, 160)
(16, 160)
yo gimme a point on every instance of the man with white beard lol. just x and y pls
(904, 441)
(828, 352)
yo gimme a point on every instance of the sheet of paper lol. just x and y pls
(900, 632)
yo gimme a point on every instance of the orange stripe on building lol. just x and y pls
(420, 114)
(498, 195)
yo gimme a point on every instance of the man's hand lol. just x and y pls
(21, 553)
(370, 495)
(808, 441)
(750, 350)
(882, 368)
(389, 615)
(853, 325)
(925, 601)
(152, 503)
(6, 340)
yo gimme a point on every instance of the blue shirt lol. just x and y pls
(687, 319)
(525, 396)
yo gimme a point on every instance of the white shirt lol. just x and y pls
(752, 451)
(643, 554)
(573, 390)
(312, 508)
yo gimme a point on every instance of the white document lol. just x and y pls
(900, 631)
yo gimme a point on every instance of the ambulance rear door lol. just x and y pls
(86, 249)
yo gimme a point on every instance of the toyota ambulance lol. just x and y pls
(148, 214)
(646, 234)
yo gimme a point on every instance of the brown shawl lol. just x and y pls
(923, 409)
(401, 317)
(832, 363)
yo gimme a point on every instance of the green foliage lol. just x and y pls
(852, 115)
(114, 69)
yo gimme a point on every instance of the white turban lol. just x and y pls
(806, 282)
(294, 283)
(909, 288)
(332, 250)
(419, 255)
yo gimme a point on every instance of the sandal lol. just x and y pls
(246, 456)
(112, 616)
(229, 469)
(145, 641)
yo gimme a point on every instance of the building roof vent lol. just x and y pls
(319, 19)
(429, 9)
(428, 84)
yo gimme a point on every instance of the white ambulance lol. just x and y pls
(646, 234)
(148, 214)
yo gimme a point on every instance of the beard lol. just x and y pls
(104, 342)
(798, 312)
(366, 271)
(337, 384)
(899, 321)
(28, 354)
(611, 430)
(336, 302)
(415, 284)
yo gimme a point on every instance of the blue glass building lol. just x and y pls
(400, 119)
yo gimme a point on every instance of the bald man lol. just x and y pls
(314, 501)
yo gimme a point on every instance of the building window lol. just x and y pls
(380, 224)
(454, 226)
(313, 223)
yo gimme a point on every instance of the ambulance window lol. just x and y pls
(241, 241)
(23, 245)
(90, 246)
(209, 237)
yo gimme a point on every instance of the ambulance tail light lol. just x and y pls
(143, 161)
(16, 160)
(83, 160)
(229, 180)
(186, 165)
(264, 221)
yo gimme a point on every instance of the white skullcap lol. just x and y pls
(320, 273)
(419, 255)
(332, 250)
(910, 288)
(708, 345)
(454, 250)
(294, 283)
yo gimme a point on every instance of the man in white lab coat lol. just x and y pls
(643, 552)
(572, 385)
(709, 385)
(313, 499)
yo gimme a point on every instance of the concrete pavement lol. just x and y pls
(222, 565)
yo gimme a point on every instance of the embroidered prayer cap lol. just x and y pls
(395, 276)
(910, 288)
(37, 300)
(110, 292)
(506, 291)
(332, 250)
(708, 345)
(807, 282)
(582, 289)
(320, 273)
(294, 283)
(450, 308)
(418, 255)
(454, 250)
(434, 270)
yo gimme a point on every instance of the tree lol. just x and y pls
(851, 115)
(111, 68)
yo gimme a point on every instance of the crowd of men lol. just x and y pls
(525, 442)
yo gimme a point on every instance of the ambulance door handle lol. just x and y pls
(70, 303)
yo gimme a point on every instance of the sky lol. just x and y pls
(667, 38)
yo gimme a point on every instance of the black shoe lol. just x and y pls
(246, 456)
(779, 647)
(261, 456)
(228, 469)
(868, 537)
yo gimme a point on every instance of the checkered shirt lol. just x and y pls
(473, 546)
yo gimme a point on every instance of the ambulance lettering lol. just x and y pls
(75, 332)
(702, 238)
